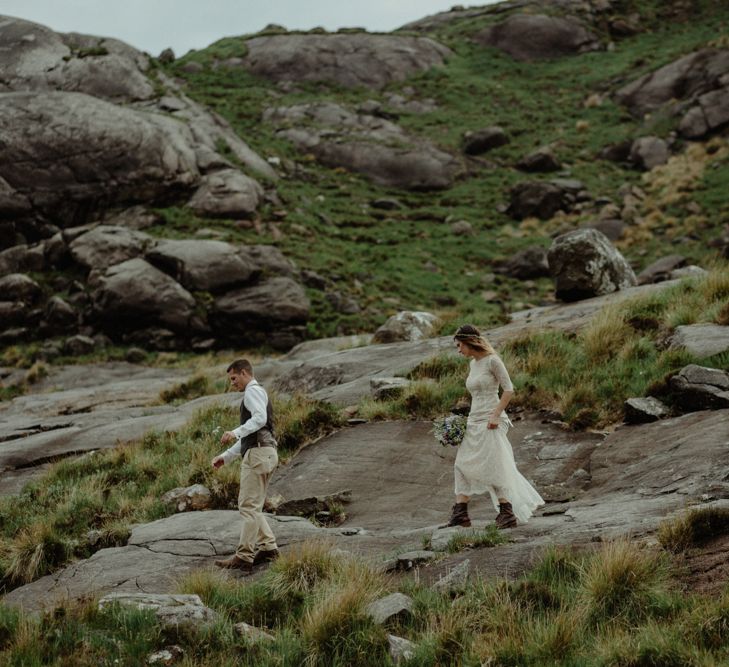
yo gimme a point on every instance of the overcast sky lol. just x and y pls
(152, 25)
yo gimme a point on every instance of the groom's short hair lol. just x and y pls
(240, 365)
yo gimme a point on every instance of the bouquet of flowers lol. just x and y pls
(450, 430)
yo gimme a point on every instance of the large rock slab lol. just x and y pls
(70, 155)
(36, 58)
(585, 264)
(530, 37)
(366, 144)
(157, 555)
(663, 466)
(350, 60)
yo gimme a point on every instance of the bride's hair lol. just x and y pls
(472, 337)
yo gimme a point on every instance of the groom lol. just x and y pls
(255, 444)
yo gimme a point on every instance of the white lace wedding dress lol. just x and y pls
(485, 460)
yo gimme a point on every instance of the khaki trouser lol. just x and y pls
(255, 472)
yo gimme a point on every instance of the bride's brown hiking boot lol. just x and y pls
(505, 518)
(459, 516)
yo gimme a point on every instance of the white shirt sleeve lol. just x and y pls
(501, 374)
(256, 400)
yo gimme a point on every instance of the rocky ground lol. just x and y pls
(397, 479)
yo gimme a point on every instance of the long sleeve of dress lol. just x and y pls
(501, 374)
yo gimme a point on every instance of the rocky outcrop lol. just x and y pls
(530, 37)
(119, 155)
(698, 81)
(366, 144)
(352, 60)
(35, 58)
(584, 264)
(139, 290)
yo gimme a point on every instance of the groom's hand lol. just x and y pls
(227, 437)
(218, 462)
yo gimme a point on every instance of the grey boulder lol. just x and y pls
(476, 142)
(390, 608)
(202, 265)
(649, 152)
(227, 194)
(585, 264)
(134, 293)
(406, 325)
(530, 37)
(106, 245)
(644, 410)
(661, 269)
(172, 611)
(700, 388)
(273, 311)
(352, 60)
(19, 287)
(540, 199)
(526, 264)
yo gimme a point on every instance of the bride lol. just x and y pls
(485, 461)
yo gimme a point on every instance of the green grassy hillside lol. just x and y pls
(409, 258)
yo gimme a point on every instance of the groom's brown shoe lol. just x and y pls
(265, 556)
(235, 563)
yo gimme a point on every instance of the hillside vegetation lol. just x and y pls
(409, 258)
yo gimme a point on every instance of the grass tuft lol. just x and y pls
(694, 528)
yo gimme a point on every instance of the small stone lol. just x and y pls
(191, 498)
(135, 355)
(383, 389)
(462, 228)
(395, 606)
(455, 579)
(253, 633)
(411, 559)
(400, 648)
(79, 345)
(167, 656)
(644, 410)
